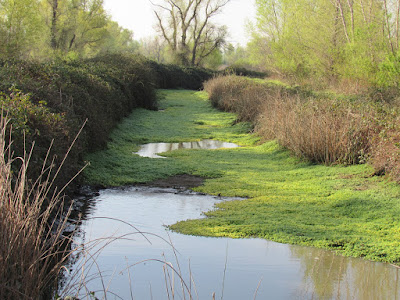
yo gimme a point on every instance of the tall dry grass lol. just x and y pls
(239, 95)
(32, 221)
(386, 151)
(320, 129)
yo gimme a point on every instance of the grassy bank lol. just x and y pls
(291, 201)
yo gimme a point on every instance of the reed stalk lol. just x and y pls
(33, 217)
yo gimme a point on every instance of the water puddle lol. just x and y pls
(152, 149)
(234, 268)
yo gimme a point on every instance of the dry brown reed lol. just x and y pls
(386, 152)
(32, 221)
(237, 94)
(319, 129)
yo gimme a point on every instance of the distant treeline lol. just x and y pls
(351, 45)
(49, 101)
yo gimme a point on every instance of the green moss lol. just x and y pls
(183, 116)
(291, 201)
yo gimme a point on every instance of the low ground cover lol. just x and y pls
(183, 116)
(290, 200)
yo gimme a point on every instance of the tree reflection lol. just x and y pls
(329, 276)
(152, 149)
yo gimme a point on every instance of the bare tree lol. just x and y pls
(54, 19)
(153, 48)
(185, 25)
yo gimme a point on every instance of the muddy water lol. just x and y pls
(232, 268)
(152, 149)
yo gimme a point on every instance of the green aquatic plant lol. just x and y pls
(183, 116)
(342, 208)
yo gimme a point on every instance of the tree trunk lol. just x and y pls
(339, 3)
(397, 21)
(392, 48)
(54, 19)
(351, 7)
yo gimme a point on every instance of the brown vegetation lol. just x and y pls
(319, 127)
(32, 221)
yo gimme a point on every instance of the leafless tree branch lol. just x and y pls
(189, 27)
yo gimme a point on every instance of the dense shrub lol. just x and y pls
(242, 95)
(168, 76)
(319, 128)
(173, 76)
(241, 71)
(386, 150)
(35, 126)
(228, 93)
(52, 100)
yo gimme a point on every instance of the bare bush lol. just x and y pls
(320, 129)
(237, 94)
(386, 150)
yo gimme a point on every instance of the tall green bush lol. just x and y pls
(101, 90)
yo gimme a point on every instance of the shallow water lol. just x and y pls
(279, 271)
(152, 149)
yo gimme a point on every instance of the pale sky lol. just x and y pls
(138, 16)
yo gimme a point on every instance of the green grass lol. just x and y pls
(183, 116)
(291, 201)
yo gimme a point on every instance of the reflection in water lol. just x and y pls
(286, 272)
(321, 270)
(328, 276)
(152, 149)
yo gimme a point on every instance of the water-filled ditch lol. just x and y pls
(153, 149)
(232, 268)
(130, 264)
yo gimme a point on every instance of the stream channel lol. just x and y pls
(132, 267)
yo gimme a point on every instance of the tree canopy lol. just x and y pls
(333, 39)
(75, 28)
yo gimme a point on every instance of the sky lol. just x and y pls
(138, 16)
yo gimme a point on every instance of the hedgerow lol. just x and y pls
(50, 101)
